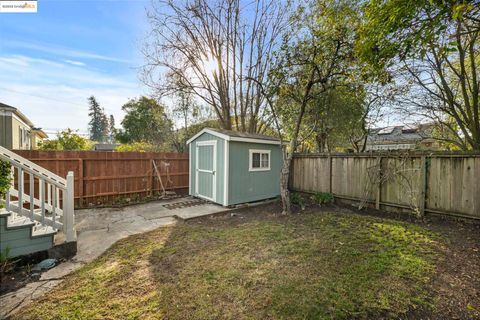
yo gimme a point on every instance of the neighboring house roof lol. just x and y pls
(105, 146)
(15, 111)
(40, 133)
(400, 134)
(231, 135)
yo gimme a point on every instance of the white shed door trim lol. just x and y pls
(212, 173)
(226, 163)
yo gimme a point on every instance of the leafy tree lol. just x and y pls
(315, 58)
(432, 48)
(98, 125)
(67, 140)
(145, 121)
(332, 118)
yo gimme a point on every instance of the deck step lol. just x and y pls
(22, 236)
(43, 231)
(19, 222)
(4, 212)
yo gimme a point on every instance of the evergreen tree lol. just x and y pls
(98, 125)
(112, 130)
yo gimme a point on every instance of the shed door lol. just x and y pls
(205, 169)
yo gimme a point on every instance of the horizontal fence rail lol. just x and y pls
(442, 183)
(103, 178)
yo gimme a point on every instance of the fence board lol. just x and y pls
(107, 177)
(445, 183)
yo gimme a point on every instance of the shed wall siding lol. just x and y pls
(219, 172)
(246, 186)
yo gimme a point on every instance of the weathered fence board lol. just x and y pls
(439, 183)
(106, 177)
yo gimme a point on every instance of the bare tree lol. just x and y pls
(216, 48)
(445, 85)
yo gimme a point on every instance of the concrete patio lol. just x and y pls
(98, 229)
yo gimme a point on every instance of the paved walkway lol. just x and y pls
(97, 230)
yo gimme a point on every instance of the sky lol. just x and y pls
(53, 60)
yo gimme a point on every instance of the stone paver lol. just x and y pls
(97, 230)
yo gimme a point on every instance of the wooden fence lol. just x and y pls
(109, 177)
(437, 183)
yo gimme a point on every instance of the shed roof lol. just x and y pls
(231, 135)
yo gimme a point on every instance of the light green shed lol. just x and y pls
(230, 167)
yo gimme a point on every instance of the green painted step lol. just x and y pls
(22, 235)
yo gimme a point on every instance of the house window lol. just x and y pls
(259, 160)
(20, 137)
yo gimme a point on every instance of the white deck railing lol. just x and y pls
(52, 204)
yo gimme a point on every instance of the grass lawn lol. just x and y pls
(309, 266)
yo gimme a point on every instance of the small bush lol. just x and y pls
(67, 140)
(5, 180)
(322, 198)
(136, 147)
(297, 199)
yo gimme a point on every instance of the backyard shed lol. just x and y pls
(230, 167)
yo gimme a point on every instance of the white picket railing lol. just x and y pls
(52, 205)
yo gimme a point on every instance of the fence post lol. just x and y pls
(379, 184)
(68, 210)
(291, 181)
(80, 182)
(423, 185)
(151, 177)
(330, 174)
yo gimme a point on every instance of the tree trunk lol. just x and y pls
(284, 178)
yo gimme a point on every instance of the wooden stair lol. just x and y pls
(38, 204)
(23, 236)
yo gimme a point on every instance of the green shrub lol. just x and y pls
(322, 198)
(136, 147)
(67, 140)
(5, 177)
(296, 198)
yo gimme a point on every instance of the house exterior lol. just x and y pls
(105, 146)
(17, 131)
(230, 167)
(405, 137)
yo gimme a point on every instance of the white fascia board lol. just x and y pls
(206, 130)
(229, 138)
(21, 121)
(251, 140)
